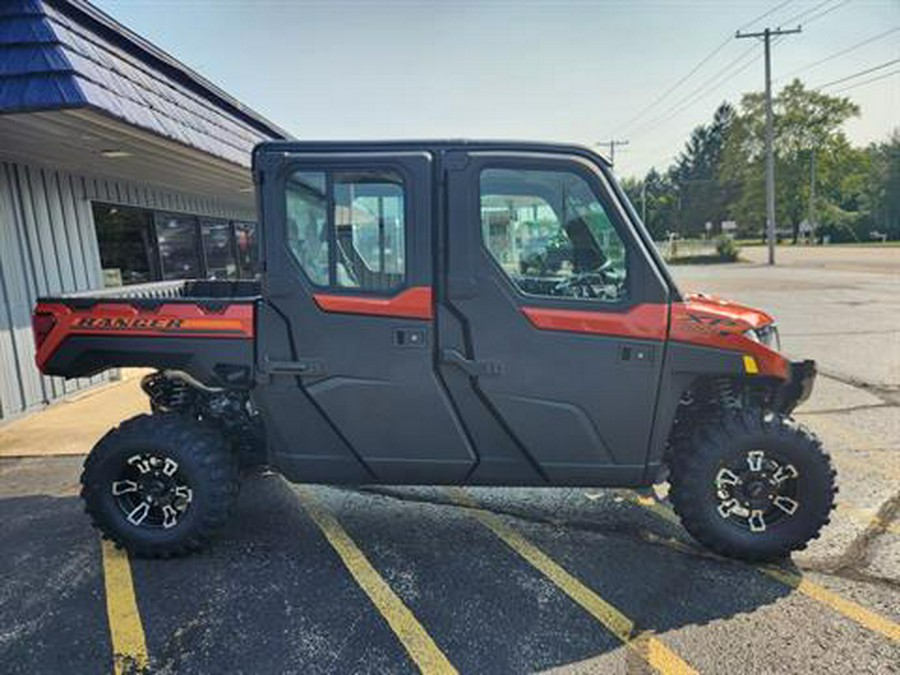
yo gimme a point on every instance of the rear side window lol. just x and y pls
(551, 235)
(359, 240)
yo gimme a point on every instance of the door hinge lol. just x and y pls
(471, 367)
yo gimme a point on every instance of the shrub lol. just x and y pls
(727, 248)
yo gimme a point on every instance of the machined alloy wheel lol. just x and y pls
(752, 484)
(160, 485)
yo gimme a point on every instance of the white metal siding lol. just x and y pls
(48, 245)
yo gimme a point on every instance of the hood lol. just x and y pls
(710, 305)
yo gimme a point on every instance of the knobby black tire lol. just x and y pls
(694, 464)
(203, 453)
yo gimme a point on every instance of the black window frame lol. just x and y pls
(329, 169)
(579, 167)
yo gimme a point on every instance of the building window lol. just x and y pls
(247, 245)
(127, 244)
(361, 243)
(139, 246)
(551, 235)
(176, 236)
(218, 249)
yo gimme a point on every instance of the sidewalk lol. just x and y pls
(74, 425)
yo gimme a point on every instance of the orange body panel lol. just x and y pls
(413, 303)
(641, 322)
(121, 318)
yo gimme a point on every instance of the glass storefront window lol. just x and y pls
(176, 235)
(127, 244)
(218, 249)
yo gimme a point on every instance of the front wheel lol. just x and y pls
(160, 485)
(752, 485)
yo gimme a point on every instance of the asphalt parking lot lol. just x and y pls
(322, 580)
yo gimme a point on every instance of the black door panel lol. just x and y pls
(358, 314)
(570, 403)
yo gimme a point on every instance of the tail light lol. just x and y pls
(42, 324)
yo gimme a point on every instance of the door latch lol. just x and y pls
(471, 367)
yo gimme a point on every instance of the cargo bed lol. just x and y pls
(205, 328)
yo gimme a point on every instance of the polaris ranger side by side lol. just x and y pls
(454, 312)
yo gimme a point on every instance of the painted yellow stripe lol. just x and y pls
(125, 628)
(418, 643)
(847, 608)
(868, 516)
(648, 647)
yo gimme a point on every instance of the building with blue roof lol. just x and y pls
(118, 165)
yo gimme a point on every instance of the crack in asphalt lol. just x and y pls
(890, 394)
(849, 409)
(846, 567)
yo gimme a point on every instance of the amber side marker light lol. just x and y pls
(750, 366)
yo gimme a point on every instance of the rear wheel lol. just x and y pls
(752, 485)
(160, 485)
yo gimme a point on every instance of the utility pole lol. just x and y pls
(644, 201)
(812, 191)
(612, 145)
(767, 35)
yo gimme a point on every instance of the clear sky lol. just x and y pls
(568, 71)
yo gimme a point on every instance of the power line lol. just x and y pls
(765, 14)
(869, 81)
(839, 53)
(823, 13)
(858, 74)
(715, 81)
(706, 59)
(800, 15)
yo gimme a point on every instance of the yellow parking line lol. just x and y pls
(418, 643)
(125, 628)
(847, 608)
(648, 647)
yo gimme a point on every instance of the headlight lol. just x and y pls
(766, 335)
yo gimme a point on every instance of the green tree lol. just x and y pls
(806, 123)
(662, 202)
(697, 176)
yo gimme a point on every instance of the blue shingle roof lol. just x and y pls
(57, 54)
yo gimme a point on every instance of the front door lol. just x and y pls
(346, 338)
(553, 320)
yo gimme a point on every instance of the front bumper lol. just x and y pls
(798, 388)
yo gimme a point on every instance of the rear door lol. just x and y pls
(347, 344)
(555, 319)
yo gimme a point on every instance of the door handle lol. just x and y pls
(303, 367)
(471, 367)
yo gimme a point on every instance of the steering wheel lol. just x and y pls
(591, 284)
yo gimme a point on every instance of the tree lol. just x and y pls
(806, 123)
(662, 201)
(697, 176)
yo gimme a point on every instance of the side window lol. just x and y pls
(551, 235)
(307, 234)
(369, 224)
(366, 228)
